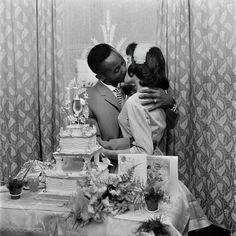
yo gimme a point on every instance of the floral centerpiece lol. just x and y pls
(113, 195)
(110, 196)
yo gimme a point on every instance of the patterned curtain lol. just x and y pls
(50, 35)
(31, 71)
(198, 38)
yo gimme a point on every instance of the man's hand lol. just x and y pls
(110, 154)
(157, 97)
(104, 144)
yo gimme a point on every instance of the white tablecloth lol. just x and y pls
(30, 216)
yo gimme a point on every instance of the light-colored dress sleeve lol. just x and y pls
(134, 122)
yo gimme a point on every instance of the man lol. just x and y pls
(110, 69)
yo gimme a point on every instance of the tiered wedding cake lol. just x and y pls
(77, 147)
(73, 159)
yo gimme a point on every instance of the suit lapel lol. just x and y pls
(108, 95)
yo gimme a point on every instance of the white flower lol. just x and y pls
(86, 95)
(72, 119)
(141, 51)
(82, 101)
(106, 202)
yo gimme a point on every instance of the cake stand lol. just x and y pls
(75, 162)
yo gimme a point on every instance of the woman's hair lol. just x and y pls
(97, 55)
(130, 49)
(152, 72)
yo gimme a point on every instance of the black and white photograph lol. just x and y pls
(117, 118)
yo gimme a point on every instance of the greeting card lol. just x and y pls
(163, 170)
(127, 161)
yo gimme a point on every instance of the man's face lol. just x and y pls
(114, 68)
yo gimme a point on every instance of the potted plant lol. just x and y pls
(152, 197)
(15, 187)
(153, 227)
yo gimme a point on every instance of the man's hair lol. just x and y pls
(97, 55)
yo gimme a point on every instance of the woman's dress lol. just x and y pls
(147, 128)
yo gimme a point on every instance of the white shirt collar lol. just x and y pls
(108, 86)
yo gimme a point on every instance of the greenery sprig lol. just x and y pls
(155, 226)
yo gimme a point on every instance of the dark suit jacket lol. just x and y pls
(105, 109)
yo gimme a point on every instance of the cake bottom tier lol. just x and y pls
(57, 188)
(61, 185)
(53, 196)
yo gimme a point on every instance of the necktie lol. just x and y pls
(118, 95)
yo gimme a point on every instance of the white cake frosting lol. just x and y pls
(78, 138)
(76, 145)
(67, 183)
(67, 186)
(64, 183)
(78, 130)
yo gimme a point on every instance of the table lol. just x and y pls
(29, 216)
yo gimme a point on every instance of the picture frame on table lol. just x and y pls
(161, 169)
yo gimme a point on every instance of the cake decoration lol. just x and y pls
(76, 105)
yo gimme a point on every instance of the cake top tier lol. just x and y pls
(78, 130)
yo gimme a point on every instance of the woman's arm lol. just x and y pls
(115, 144)
(110, 153)
(139, 130)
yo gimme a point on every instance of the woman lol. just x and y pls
(146, 68)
